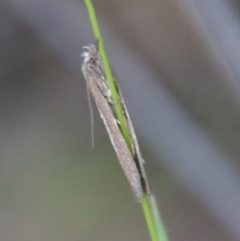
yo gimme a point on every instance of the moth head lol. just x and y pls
(90, 54)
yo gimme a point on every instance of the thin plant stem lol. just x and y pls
(108, 72)
(152, 217)
(149, 218)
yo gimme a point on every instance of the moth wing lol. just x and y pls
(124, 156)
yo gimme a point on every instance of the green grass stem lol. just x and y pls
(153, 219)
(155, 226)
(108, 72)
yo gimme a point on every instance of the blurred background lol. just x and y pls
(178, 64)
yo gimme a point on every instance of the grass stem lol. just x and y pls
(151, 213)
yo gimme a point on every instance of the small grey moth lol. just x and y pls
(132, 164)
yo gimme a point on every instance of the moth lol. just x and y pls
(131, 163)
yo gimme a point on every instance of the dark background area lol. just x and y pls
(178, 64)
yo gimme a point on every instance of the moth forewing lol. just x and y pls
(91, 74)
(135, 145)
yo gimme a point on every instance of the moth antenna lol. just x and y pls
(91, 116)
